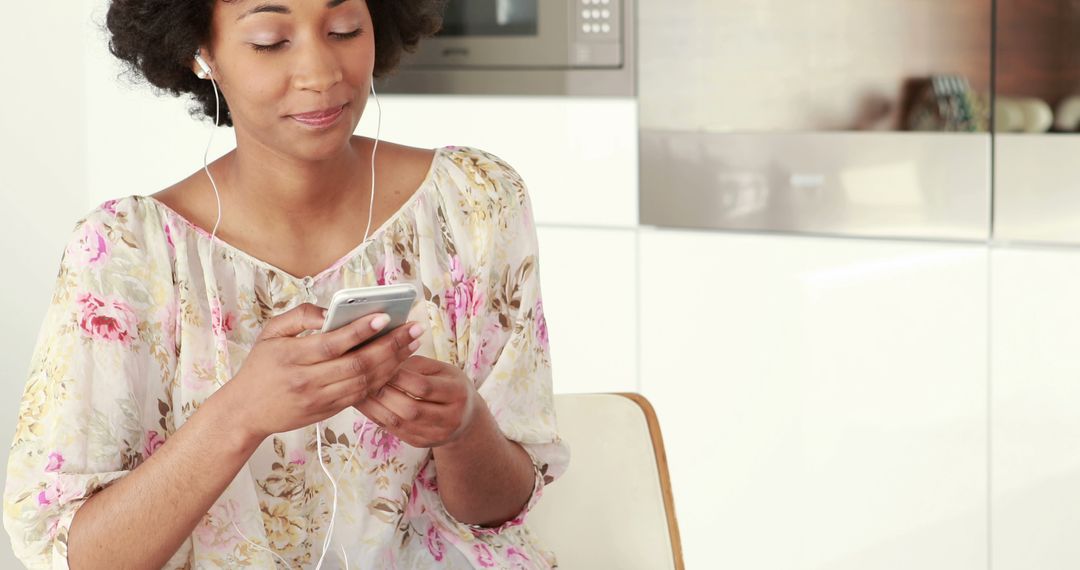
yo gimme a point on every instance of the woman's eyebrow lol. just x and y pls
(279, 9)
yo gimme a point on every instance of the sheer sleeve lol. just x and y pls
(88, 414)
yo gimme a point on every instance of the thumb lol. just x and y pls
(300, 318)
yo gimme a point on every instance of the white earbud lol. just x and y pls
(206, 72)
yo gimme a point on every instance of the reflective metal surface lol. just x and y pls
(562, 59)
(563, 34)
(884, 185)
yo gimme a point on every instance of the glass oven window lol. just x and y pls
(490, 18)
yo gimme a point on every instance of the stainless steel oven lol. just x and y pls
(527, 47)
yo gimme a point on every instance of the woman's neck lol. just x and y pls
(294, 195)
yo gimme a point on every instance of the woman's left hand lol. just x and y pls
(427, 403)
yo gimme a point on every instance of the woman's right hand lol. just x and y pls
(288, 382)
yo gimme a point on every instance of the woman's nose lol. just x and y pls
(317, 68)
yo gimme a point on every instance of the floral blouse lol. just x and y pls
(135, 339)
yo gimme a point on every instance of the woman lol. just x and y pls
(169, 417)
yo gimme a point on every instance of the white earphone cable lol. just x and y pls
(378, 130)
(333, 483)
(206, 154)
(261, 547)
(318, 425)
(371, 205)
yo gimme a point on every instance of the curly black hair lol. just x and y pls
(156, 40)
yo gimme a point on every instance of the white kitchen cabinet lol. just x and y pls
(1035, 389)
(823, 402)
(578, 155)
(589, 282)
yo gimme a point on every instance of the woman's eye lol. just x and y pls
(265, 48)
(346, 35)
(279, 45)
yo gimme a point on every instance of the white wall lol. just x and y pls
(136, 142)
(42, 165)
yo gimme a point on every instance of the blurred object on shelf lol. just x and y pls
(1068, 115)
(1022, 115)
(945, 103)
(876, 112)
(788, 66)
(1037, 54)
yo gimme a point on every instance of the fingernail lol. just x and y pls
(379, 322)
(324, 313)
(416, 331)
(414, 345)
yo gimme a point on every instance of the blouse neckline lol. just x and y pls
(310, 279)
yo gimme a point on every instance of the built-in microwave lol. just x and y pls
(547, 46)
(527, 33)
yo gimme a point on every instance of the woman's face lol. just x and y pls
(277, 59)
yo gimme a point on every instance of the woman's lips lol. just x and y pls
(320, 119)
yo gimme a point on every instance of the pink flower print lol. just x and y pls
(384, 444)
(168, 235)
(90, 249)
(169, 324)
(516, 555)
(486, 349)
(429, 483)
(153, 442)
(462, 299)
(109, 206)
(477, 299)
(297, 457)
(483, 555)
(528, 219)
(222, 323)
(107, 319)
(56, 461)
(381, 444)
(413, 507)
(216, 531)
(199, 376)
(55, 494)
(54, 527)
(456, 273)
(541, 324)
(51, 494)
(388, 272)
(435, 543)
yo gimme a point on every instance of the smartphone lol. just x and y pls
(347, 305)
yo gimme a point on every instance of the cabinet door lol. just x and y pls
(1036, 409)
(589, 281)
(579, 156)
(823, 401)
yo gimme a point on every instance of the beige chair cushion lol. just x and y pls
(607, 510)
